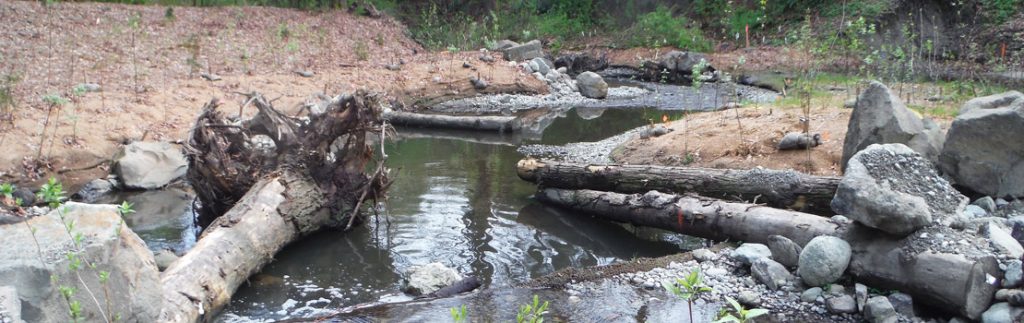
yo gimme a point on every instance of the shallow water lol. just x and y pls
(456, 200)
(162, 218)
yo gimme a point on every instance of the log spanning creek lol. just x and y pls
(456, 200)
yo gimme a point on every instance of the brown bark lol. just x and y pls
(780, 189)
(946, 281)
(486, 123)
(314, 178)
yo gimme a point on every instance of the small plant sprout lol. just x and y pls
(7, 190)
(459, 314)
(688, 288)
(533, 313)
(743, 315)
(125, 208)
(52, 193)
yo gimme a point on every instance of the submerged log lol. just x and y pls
(949, 282)
(278, 178)
(485, 123)
(781, 189)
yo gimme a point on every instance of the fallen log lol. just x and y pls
(279, 179)
(781, 189)
(484, 123)
(949, 282)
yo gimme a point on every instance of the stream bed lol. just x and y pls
(456, 200)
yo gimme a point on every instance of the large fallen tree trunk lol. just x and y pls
(947, 281)
(486, 123)
(279, 179)
(781, 189)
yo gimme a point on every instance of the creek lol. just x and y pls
(456, 200)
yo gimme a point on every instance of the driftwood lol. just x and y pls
(485, 123)
(781, 189)
(946, 281)
(313, 177)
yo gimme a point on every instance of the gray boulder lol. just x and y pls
(770, 273)
(975, 211)
(810, 295)
(879, 310)
(799, 140)
(1013, 275)
(984, 151)
(823, 260)
(133, 286)
(592, 85)
(93, 190)
(702, 255)
(861, 293)
(881, 118)
(991, 102)
(149, 165)
(10, 306)
(785, 251)
(527, 51)
(986, 203)
(504, 44)
(1003, 241)
(747, 253)
(903, 303)
(542, 65)
(1002, 313)
(892, 188)
(842, 304)
(426, 279)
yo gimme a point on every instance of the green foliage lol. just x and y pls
(125, 208)
(7, 190)
(459, 314)
(532, 313)
(689, 287)
(1001, 10)
(660, 28)
(697, 73)
(742, 315)
(54, 99)
(52, 193)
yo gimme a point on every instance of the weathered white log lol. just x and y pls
(781, 189)
(238, 244)
(949, 282)
(486, 123)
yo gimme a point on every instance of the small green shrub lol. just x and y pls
(459, 314)
(532, 313)
(660, 28)
(742, 315)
